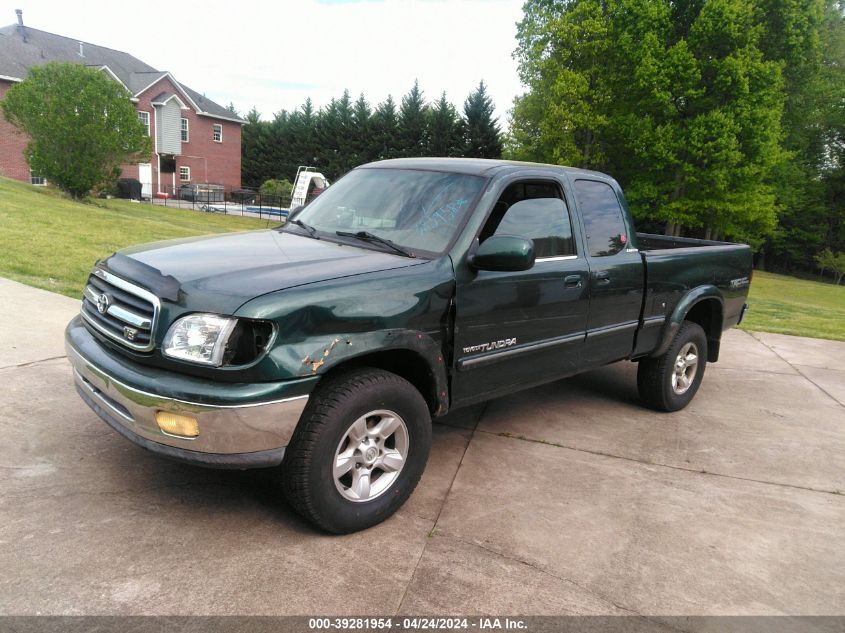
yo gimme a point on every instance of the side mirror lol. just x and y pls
(295, 210)
(504, 253)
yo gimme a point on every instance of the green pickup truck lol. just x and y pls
(409, 288)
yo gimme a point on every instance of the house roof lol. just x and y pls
(18, 56)
(164, 97)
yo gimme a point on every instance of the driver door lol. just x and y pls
(516, 329)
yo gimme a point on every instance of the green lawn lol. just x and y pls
(787, 305)
(50, 241)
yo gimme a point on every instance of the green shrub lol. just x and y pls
(274, 188)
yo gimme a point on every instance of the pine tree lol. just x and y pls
(482, 136)
(445, 132)
(334, 137)
(255, 161)
(364, 149)
(281, 145)
(298, 140)
(411, 134)
(385, 129)
(343, 135)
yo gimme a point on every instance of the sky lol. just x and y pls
(273, 55)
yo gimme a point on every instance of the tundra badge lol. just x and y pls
(486, 347)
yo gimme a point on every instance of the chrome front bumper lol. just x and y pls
(230, 436)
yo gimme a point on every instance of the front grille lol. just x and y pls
(120, 310)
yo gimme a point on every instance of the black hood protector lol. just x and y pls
(146, 276)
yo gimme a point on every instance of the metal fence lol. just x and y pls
(212, 198)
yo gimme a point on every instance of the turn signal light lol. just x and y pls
(176, 424)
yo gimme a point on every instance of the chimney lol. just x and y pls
(21, 27)
(81, 50)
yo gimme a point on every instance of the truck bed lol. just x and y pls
(676, 265)
(654, 242)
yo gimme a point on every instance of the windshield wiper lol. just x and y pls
(372, 237)
(311, 230)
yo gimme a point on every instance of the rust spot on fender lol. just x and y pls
(320, 359)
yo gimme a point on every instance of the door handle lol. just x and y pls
(603, 277)
(572, 281)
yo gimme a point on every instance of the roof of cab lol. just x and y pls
(475, 166)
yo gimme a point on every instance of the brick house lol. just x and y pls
(194, 139)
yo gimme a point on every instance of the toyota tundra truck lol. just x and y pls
(408, 289)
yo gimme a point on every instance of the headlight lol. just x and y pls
(199, 338)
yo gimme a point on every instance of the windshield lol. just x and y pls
(417, 210)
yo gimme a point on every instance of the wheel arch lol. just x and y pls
(709, 314)
(703, 305)
(427, 375)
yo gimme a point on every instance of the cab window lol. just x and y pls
(602, 217)
(535, 210)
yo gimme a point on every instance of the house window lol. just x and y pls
(35, 179)
(145, 119)
(217, 133)
(185, 135)
(185, 173)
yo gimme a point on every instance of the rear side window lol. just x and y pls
(602, 217)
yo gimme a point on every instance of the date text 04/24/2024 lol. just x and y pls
(416, 624)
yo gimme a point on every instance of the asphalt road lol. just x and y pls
(566, 499)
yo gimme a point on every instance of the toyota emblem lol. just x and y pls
(102, 303)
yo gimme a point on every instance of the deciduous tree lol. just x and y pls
(81, 125)
(675, 99)
(834, 262)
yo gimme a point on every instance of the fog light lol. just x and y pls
(179, 425)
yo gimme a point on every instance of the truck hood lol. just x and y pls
(220, 273)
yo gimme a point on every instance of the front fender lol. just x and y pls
(338, 321)
(320, 355)
(683, 307)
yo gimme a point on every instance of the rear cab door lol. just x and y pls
(515, 329)
(617, 272)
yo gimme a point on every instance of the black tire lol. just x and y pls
(655, 375)
(308, 478)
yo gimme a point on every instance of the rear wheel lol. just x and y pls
(358, 451)
(670, 382)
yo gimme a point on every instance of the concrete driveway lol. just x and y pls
(566, 499)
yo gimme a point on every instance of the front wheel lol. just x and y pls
(359, 450)
(669, 382)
